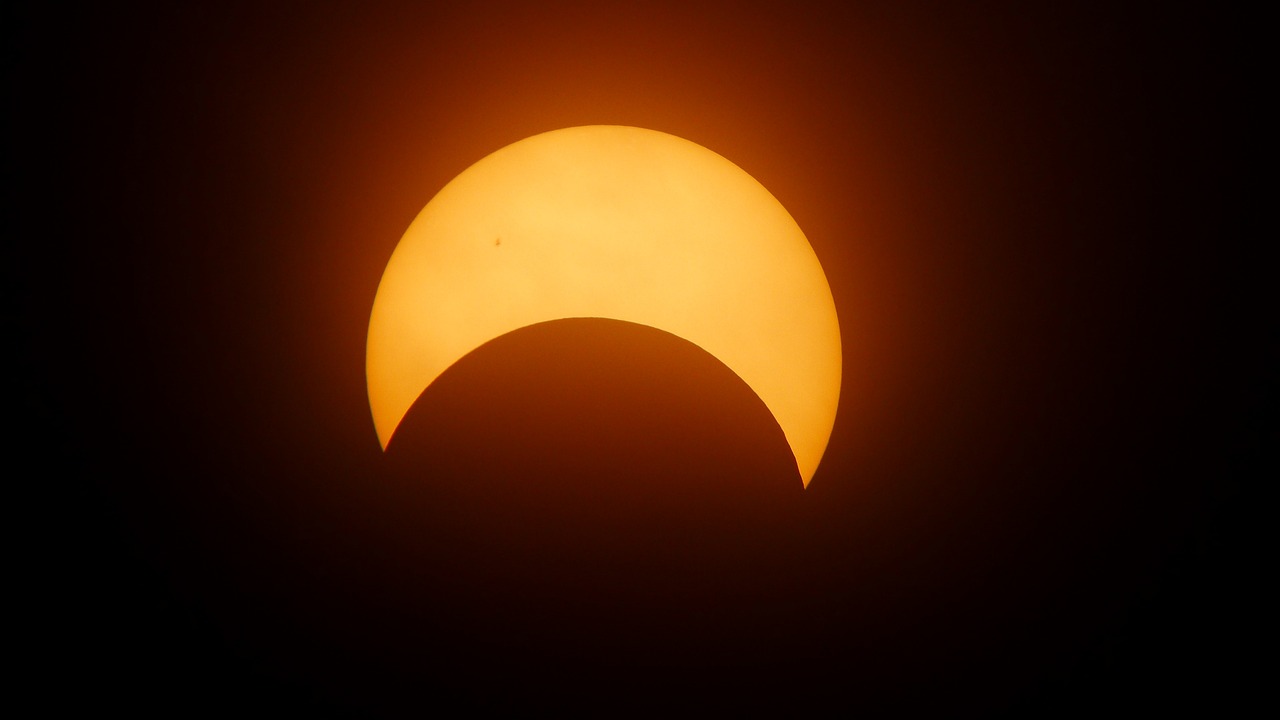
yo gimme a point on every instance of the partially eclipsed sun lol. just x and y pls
(621, 223)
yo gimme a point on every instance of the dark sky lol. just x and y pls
(1037, 229)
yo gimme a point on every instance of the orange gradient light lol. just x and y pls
(611, 222)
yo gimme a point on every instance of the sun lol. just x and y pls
(612, 222)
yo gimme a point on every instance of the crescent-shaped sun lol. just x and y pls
(611, 222)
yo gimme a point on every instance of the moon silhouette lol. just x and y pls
(620, 223)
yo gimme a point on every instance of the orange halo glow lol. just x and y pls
(611, 222)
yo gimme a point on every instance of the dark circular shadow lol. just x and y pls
(588, 503)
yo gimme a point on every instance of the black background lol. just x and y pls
(1038, 229)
